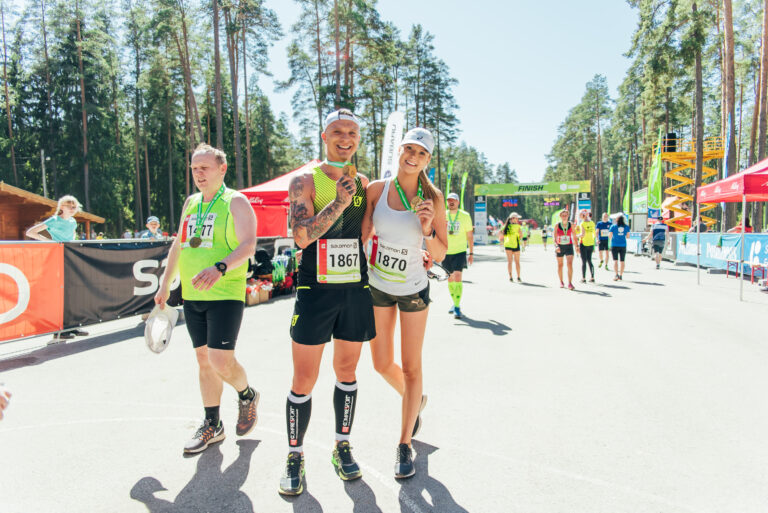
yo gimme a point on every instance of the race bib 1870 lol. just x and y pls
(338, 261)
(206, 232)
(389, 261)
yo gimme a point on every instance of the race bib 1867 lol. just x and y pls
(338, 261)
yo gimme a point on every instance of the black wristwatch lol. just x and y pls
(221, 267)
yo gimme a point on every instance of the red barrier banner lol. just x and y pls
(31, 289)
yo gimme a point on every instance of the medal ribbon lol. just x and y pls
(337, 165)
(404, 198)
(199, 222)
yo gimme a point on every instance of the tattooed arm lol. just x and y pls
(306, 227)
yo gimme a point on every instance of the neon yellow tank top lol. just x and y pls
(512, 236)
(588, 233)
(218, 240)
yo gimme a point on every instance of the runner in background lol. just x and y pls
(405, 212)
(658, 235)
(217, 237)
(460, 237)
(564, 242)
(618, 236)
(586, 246)
(510, 236)
(333, 300)
(525, 230)
(603, 229)
(544, 235)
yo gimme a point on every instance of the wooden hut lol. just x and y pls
(20, 210)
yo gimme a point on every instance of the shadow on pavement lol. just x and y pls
(412, 490)
(648, 283)
(529, 284)
(362, 496)
(304, 503)
(210, 489)
(609, 286)
(61, 350)
(592, 292)
(494, 327)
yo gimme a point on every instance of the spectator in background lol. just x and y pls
(100, 236)
(737, 228)
(702, 226)
(60, 226)
(127, 234)
(153, 229)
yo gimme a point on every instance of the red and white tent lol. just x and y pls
(270, 202)
(749, 185)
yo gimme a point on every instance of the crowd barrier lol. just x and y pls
(717, 249)
(49, 286)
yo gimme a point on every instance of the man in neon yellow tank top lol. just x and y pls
(217, 236)
(460, 235)
(333, 300)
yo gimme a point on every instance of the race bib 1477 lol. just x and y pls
(338, 261)
(206, 231)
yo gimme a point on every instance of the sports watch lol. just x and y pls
(221, 267)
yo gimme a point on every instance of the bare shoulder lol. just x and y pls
(364, 179)
(239, 200)
(301, 185)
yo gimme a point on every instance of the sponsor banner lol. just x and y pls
(481, 221)
(716, 255)
(512, 189)
(640, 201)
(31, 289)
(106, 281)
(585, 205)
(635, 242)
(393, 134)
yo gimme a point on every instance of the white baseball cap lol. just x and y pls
(420, 136)
(160, 323)
(453, 196)
(339, 115)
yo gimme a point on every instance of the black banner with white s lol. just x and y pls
(107, 281)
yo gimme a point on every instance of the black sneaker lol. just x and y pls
(80, 333)
(64, 335)
(292, 482)
(345, 465)
(457, 313)
(247, 417)
(205, 435)
(417, 425)
(519, 280)
(404, 462)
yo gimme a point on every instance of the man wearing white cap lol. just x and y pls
(460, 236)
(333, 300)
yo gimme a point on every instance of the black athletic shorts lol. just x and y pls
(455, 262)
(321, 313)
(213, 323)
(658, 246)
(565, 250)
(603, 245)
(410, 303)
(513, 250)
(525, 239)
(619, 253)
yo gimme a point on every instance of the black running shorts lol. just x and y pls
(619, 253)
(410, 303)
(455, 262)
(565, 250)
(513, 250)
(658, 246)
(321, 313)
(213, 323)
(603, 245)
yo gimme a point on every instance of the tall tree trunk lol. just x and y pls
(320, 102)
(208, 112)
(741, 118)
(136, 128)
(337, 56)
(114, 107)
(761, 142)
(146, 170)
(217, 76)
(8, 100)
(187, 74)
(49, 112)
(187, 139)
(231, 35)
(730, 79)
(755, 120)
(86, 178)
(247, 113)
(699, 137)
(170, 157)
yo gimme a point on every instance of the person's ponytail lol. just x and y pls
(430, 191)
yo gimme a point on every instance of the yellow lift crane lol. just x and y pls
(683, 171)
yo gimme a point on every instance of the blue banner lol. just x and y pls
(712, 255)
(432, 175)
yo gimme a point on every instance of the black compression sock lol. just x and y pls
(246, 394)
(298, 409)
(212, 415)
(344, 402)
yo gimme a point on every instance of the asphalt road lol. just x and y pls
(646, 395)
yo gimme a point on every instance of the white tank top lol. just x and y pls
(395, 262)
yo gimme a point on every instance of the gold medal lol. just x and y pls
(350, 170)
(195, 242)
(415, 202)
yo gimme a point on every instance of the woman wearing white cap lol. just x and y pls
(402, 214)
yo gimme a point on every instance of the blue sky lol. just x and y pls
(520, 65)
